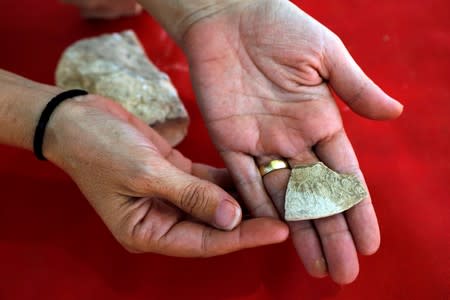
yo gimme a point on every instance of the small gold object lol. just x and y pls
(273, 165)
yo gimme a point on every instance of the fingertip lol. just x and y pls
(228, 215)
(345, 276)
(371, 248)
(275, 230)
(363, 224)
(283, 231)
(383, 108)
(398, 108)
(392, 110)
(319, 269)
(343, 269)
(257, 232)
(367, 239)
(369, 251)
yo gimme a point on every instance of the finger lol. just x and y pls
(275, 182)
(354, 87)
(337, 242)
(249, 184)
(341, 238)
(221, 177)
(325, 245)
(338, 154)
(308, 246)
(304, 235)
(339, 248)
(189, 239)
(197, 197)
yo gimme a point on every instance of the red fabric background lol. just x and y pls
(53, 246)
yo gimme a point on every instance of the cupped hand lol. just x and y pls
(264, 72)
(149, 195)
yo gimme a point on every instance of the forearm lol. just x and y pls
(177, 16)
(21, 103)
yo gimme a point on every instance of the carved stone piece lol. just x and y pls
(116, 66)
(315, 191)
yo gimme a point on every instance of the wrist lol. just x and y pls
(59, 132)
(177, 17)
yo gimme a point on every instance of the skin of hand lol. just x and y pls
(264, 72)
(149, 195)
(106, 9)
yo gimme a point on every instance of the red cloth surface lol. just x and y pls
(54, 246)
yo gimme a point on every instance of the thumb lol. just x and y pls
(199, 198)
(354, 87)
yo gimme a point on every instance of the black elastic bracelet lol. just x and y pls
(45, 116)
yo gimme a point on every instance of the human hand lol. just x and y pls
(263, 72)
(151, 197)
(106, 9)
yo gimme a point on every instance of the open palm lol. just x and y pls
(263, 72)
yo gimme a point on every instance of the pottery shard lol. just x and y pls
(315, 191)
(115, 66)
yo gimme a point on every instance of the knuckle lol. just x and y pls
(205, 244)
(194, 198)
(140, 179)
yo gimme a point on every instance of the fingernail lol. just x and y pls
(321, 265)
(228, 215)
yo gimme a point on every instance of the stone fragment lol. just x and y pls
(116, 66)
(315, 191)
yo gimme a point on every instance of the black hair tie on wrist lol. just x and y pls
(45, 116)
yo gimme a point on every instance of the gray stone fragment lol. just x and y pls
(116, 66)
(315, 191)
